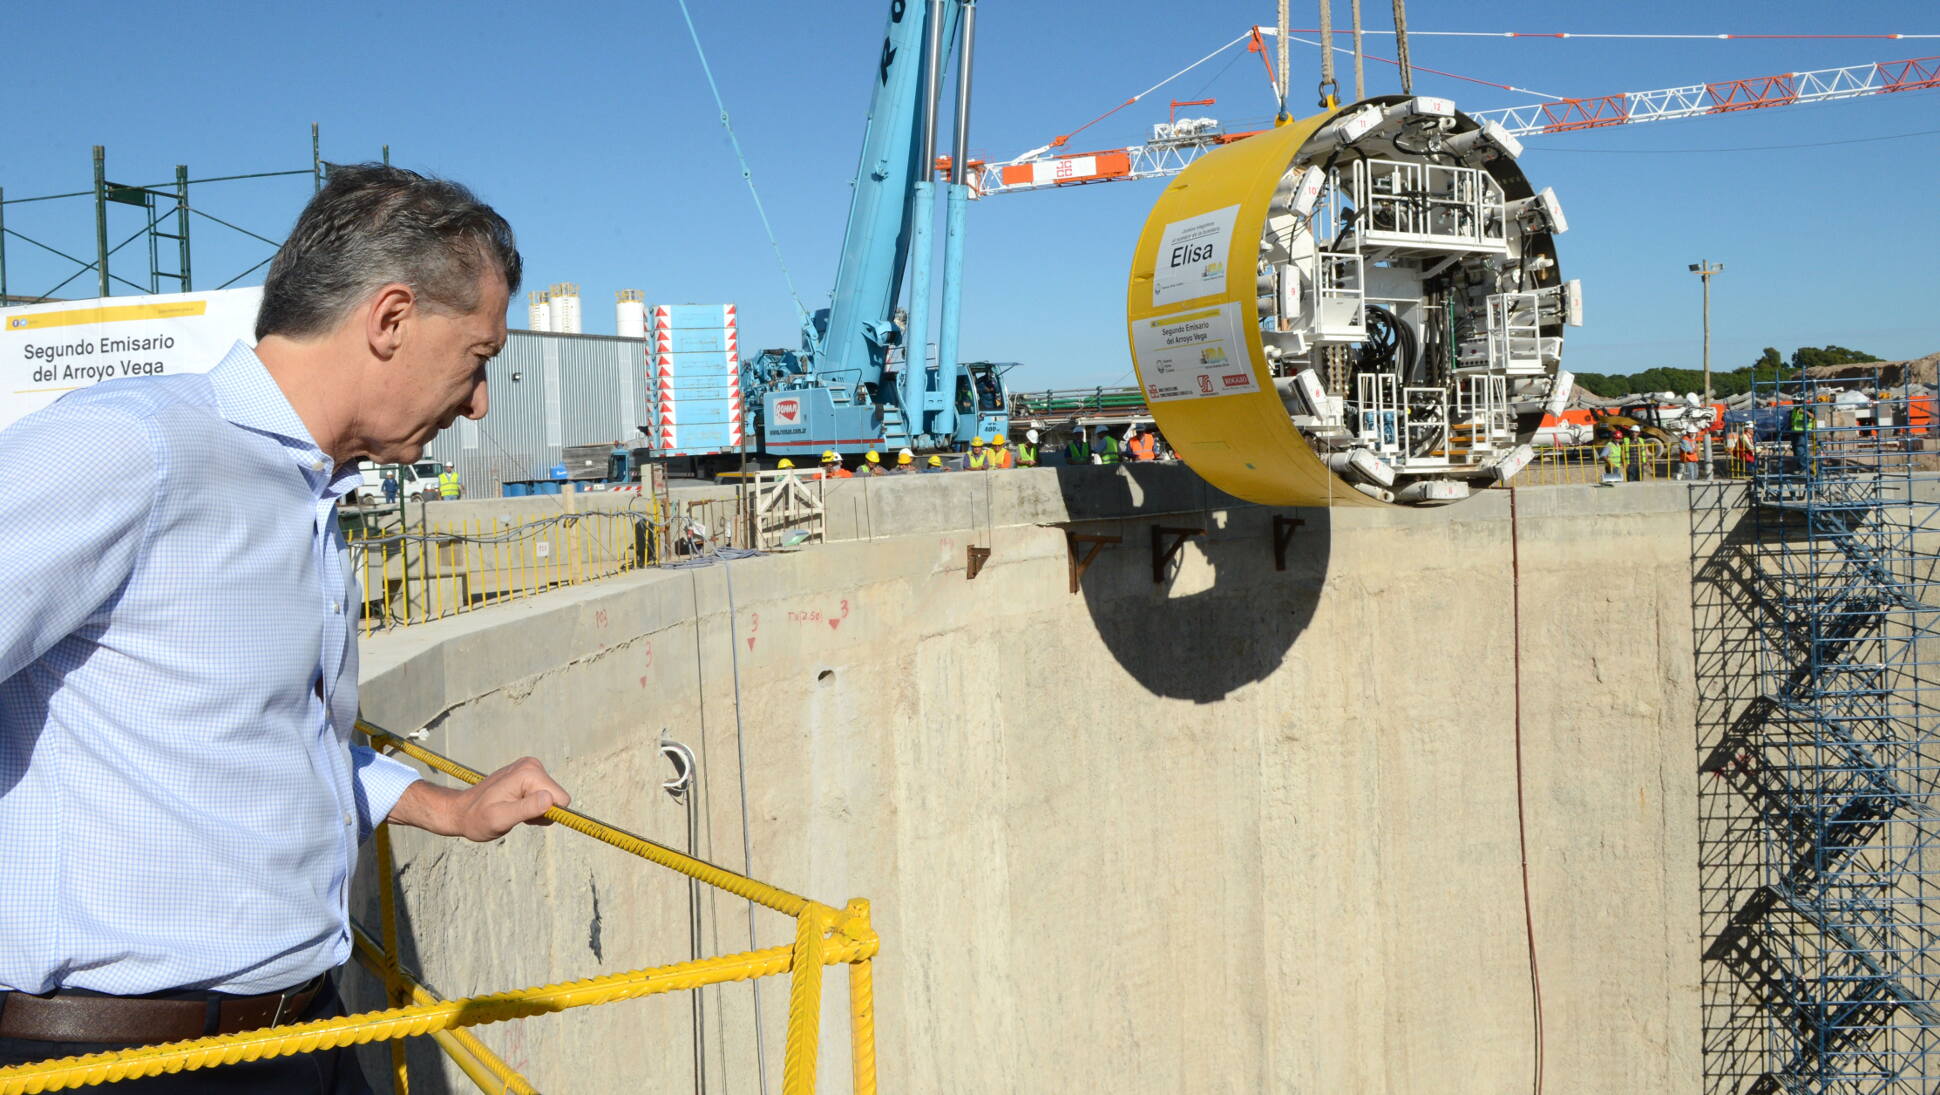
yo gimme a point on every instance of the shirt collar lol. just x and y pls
(249, 397)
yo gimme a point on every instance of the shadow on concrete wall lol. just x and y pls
(1178, 640)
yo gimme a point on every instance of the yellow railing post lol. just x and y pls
(472, 552)
(499, 578)
(517, 530)
(387, 915)
(804, 1003)
(862, 1012)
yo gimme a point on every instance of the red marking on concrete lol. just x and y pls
(751, 642)
(834, 622)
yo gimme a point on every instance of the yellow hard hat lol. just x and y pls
(1000, 440)
(936, 461)
(976, 441)
(872, 457)
(905, 456)
(785, 463)
(829, 457)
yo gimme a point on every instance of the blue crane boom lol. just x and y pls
(862, 378)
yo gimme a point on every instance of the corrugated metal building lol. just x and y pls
(547, 391)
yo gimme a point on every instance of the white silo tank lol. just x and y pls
(538, 313)
(565, 308)
(630, 314)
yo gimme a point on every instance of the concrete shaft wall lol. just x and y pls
(1243, 830)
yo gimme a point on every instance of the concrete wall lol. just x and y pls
(1243, 830)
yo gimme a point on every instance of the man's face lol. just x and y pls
(437, 375)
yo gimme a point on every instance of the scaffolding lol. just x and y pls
(1819, 873)
(164, 212)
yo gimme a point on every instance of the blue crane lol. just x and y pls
(862, 378)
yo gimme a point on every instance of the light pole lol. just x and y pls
(1704, 270)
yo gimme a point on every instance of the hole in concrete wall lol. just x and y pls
(826, 674)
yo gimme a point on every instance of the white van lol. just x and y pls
(416, 482)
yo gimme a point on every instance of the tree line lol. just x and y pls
(1724, 383)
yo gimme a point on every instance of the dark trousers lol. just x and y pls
(328, 1072)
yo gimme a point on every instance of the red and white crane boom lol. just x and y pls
(1177, 144)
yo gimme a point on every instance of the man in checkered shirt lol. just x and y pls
(180, 805)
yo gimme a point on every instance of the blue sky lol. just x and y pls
(592, 130)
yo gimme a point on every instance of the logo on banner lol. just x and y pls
(788, 410)
(1205, 383)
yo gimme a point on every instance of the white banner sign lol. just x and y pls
(48, 350)
(1191, 260)
(1193, 355)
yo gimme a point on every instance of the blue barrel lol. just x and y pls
(559, 472)
(515, 489)
(550, 486)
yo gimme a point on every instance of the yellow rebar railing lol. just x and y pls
(432, 569)
(824, 936)
(1583, 464)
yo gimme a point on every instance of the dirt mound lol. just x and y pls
(1892, 374)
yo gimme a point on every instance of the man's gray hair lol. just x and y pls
(372, 225)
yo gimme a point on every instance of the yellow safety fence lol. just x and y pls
(824, 936)
(1583, 464)
(429, 570)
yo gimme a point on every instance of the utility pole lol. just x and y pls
(1704, 270)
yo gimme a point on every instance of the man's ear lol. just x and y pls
(385, 318)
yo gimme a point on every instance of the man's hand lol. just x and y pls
(516, 794)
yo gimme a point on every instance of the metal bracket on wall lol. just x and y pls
(1283, 530)
(1093, 545)
(1167, 543)
(975, 558)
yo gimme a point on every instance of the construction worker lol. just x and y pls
(872, 463)
(832, 467)
(1104, 446)
(1687, 455)
(1027, 450)
(1077, 450)
(390, 488)
(905, 461)
(1799, 426)
(1144, 445)
(979, 458)
(935, 464)
(1633, 453)
(1612, 455)
(448, 488)
(1737, 450)
(1000, 452)
(785, 465)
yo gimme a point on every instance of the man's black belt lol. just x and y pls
(67, 1016)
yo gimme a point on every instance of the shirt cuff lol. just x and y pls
(379, 782)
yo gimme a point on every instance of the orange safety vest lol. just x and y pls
(1690, 457)
(1000, 457)
(1144, 446)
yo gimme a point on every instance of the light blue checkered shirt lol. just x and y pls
(179, 803)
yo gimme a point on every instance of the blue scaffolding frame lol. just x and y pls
(1823, 896)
